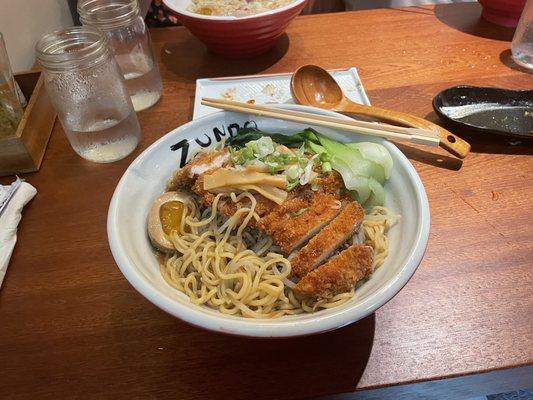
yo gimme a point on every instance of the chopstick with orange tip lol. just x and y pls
(413, 135)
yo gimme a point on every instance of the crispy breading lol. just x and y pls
(330, 182)
(227, 207)
(339, 274)
(327, 183)
(320, 201)
(184, 178)
(291, 224)
(321, 246)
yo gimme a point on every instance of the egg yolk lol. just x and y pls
(170, 214)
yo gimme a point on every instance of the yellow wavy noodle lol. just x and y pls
(375, 227)
(221, 265)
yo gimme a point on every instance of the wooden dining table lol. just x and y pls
(72, 327)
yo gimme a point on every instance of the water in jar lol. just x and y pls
(107, 139)
(522, 45)
(523, 48)
(96, 112)
(130, 40)
(142, 79)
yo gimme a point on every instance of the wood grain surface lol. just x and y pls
(72, 327)
(24, 150)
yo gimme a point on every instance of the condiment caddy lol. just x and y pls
(24, 150)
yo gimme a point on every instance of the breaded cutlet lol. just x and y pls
(295, 221)
(321, 246)
(227, 207)
(339, 274)
(184, 177)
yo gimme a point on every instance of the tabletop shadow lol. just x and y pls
(171, 359)
(293, 368)
(415, 10)
(429, 158)
(506, 58)
(192, 60)
(492, 144)
(466, 17)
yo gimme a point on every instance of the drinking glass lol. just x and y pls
(10, 107)
(130, 41)
(522, 45)
(89, 94)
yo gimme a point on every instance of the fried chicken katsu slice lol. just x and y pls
(321, 246)
(227, 207)
(339, 274)
(184, 178)
(295, 221)
(324, 182)
(329, 182)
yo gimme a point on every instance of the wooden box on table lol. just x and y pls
(24, 151)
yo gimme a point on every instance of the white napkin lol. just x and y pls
(17, 195)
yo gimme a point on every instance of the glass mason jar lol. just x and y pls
(130, 40)
(89, 94)
(522, 45)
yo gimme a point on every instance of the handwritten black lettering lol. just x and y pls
(218, 134)
(184, 146)
(233, 129)
(203, 144)
(250, 124)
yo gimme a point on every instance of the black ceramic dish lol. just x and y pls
(487, 110)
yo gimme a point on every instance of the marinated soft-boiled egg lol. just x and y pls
(165, 217)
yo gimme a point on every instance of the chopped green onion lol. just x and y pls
(292, 184)
(364, 166)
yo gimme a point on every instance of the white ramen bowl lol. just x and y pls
(145, 179)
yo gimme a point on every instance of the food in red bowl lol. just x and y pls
(245, 35)
(503, 12)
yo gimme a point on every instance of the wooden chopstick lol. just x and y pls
(362, 124)
(413, 135)
(232, 78)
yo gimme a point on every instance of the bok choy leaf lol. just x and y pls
(363, 166)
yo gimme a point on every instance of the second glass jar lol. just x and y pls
(130, 41)
(522, 45)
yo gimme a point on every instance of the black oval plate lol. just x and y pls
(487, 110)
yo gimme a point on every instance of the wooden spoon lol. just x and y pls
(314, 86)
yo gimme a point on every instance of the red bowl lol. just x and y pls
(503, 12)
(237, 36)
